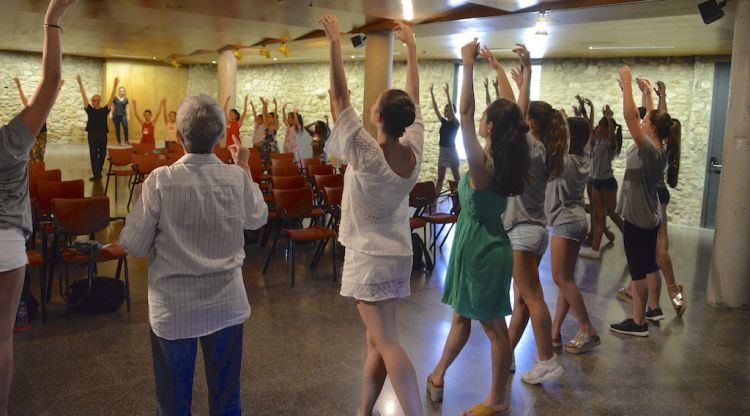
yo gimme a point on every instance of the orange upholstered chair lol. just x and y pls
(86, 216)
(285, 170)
(121, 158)
(143, 165)
(288, 182)
(293, 205)
(320, 170)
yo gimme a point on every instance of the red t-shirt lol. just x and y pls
(233, 129)
(148, 133)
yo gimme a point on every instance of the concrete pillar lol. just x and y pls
(729, 276)
(378, 69)
(226, 73)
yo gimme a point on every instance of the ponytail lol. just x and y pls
(618, 137)
(674, 144)
(553, 132)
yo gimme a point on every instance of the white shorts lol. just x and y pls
(375, 278)
(527, 237)
(12, 249)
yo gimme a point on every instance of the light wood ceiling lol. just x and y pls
(193, 31)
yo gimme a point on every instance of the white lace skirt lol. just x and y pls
(375, 278)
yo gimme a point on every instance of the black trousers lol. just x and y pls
(98, 152)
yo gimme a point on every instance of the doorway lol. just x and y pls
(719, 104)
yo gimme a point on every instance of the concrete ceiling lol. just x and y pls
(194, 31)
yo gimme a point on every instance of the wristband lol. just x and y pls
(55, 26)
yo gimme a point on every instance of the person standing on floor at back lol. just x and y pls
(526, 224)
(189, 221)
(16, 140)
(147, 124)
(120, 115)
(96, 126)
(375, 215)
(40, 145)
(234, 122)
(449, 125)
(639, 203)
(477, 283)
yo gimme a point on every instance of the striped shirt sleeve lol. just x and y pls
(140, 226)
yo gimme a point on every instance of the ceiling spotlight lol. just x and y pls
(284, 50)
(213, 62)
(237, 55)
(275, 59)
(711, 10)
(542, 22)
(263, 51)
(174, 63)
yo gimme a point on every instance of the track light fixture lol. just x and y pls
(174, 63)
(284, 50)
(542, 23)
(263, 51)
(237, 55)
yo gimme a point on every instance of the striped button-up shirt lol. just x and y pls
(189, 221)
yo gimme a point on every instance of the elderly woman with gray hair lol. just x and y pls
(189, 221)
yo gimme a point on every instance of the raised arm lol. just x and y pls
(434, 103)
(275, 111)
(590, 117)
(480, 174)
(609, 115)
(111, 100)
(661, 91)
(255, 114)
(524, 88)
(83, 91)
(244, 112)
(330, 104)
(264, 113)
(502, 80)
(135, 111)
(338, 92)
(226, 106)
(166, 116)
(162, 105)
(35, 114)
(448, 96)
(629, 110)
(487, 98)
(496, 86)
(283, 113)
(24, 101)
(647, 99)
(404, 33)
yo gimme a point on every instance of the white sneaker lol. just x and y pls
(543, 371)
(589, 253)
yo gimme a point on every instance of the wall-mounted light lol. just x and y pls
(542, 23)
(174, 63)
(263, 51)
(237, 55)
(284, 50)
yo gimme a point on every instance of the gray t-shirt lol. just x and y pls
(602, 153)
(119, 106)
(15, 208)
(563, 199)
(529, 206)
(644, 168)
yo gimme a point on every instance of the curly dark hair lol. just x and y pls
(398, 112)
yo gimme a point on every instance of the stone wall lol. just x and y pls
(67, 119)
(689, 91)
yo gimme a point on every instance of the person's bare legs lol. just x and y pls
(457, 337)
(526, 277)
(373, 378)
(610, 205)
(456, 173)
(501, 355)
(11, 285)
(380, 320)
(598, 220)
(663, 259)
(590, 195)
(520, 317)
(440, 180)
(564, 256)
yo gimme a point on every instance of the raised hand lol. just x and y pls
(490, 57)
(661, 89)
(56, 9)
(517, 75)
(576, 111)
(523, 55)
(495, 84)
(117, 81)
(486, 83)
(404, 33)
(447, 89)
(331, 26)
(432, 89)
(470, 51)
(588, 102)
(644, 85)
(240, 155)
(607, 112)
(626, 77)
(78, 78)
(580, 100)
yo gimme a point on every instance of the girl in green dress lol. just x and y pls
(477, 283)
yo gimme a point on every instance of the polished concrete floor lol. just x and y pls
(304, 346)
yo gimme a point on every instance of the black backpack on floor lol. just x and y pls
(96, 295)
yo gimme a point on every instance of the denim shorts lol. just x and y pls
(532, 238)
(575, 230)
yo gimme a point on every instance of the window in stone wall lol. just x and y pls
(536, 81)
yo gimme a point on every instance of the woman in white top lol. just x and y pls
(170, 122)
(375, 215)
